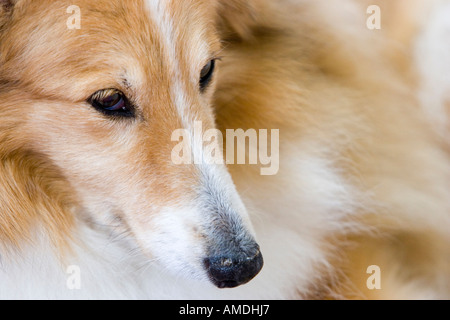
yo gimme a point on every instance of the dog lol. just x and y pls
(92, 205)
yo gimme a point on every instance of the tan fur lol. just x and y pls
(350, 94)
(34, 193)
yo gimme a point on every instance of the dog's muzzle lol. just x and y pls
(235, 269)
(232, 257)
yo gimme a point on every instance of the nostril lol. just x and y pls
(230, 272)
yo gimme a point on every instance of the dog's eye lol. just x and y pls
(112, 103)
(206, 74)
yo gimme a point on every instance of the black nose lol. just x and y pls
(231, 272)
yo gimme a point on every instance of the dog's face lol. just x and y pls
(101, 103)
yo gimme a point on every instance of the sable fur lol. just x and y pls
(364, 175)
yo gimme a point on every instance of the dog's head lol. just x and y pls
(97, 88)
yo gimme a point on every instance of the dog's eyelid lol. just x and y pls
(206, 74)
(113, 103)
(215, 56)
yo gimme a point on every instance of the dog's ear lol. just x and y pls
(237, 18)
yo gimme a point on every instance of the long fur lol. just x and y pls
(364, 175)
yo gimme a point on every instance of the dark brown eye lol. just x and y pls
(112, 103)
(206, 74)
